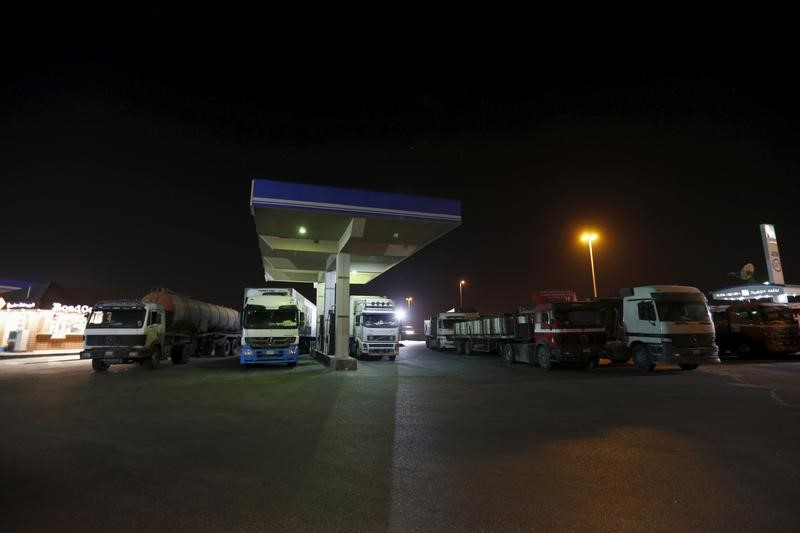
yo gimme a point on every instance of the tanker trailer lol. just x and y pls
(158, 325)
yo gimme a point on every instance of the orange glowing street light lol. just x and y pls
(461, 294)
(590, 237)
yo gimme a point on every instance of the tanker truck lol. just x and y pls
(161, 324)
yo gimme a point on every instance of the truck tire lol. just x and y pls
(642, 358)
(359, 354)
(181, 354)
(744, 348)
(154, 360)
(392, 357)
(468, 347)
(688, 367)
(543, 356)
(291, 364)
(593, 363)
(98, 365)
(508, 353)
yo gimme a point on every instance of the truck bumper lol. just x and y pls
(126, 354)
(379, 349)
(269, 356)
(575, 354)
(701, 355)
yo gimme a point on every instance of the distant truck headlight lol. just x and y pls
(246, 350)
(292, 349)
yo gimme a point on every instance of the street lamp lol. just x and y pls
(591, 237)
(408, 307)
(461, 294)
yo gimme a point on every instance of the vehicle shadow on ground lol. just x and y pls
(765, 359)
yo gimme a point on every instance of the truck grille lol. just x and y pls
(689, 340)
(582, 338)
(116, 340)
(380, 337)
(268, 342)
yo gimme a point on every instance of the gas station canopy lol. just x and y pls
(301, 228)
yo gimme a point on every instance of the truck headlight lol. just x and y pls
(292, 349)
(246, 350)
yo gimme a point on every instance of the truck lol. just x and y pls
(374, 330)
(160, 324)
(278, 324)
(756, 327)
(660, 324)
(439, 329)
(546, 335)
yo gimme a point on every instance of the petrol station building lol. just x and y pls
(333, 237)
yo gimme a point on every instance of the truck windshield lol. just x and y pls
(776, 314)
(116, 318)
(579, 317)
(381, 320)
(677, 311)
(261, 318)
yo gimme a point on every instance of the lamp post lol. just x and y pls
(408, 307)
(461, 294)
(591, 237)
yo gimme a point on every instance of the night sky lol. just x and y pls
(127, 151)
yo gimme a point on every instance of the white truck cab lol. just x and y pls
(668, 324)
(374, 330)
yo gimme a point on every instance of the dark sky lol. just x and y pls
(127, 150)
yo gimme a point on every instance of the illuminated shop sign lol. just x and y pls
(755, 292)
(20, 305)
(83, 309)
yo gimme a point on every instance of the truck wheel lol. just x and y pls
(508, 353)
(593, 363)
(290, 364)
(543, 356)
(744, 348)
(154, 359)
(688, 367)
(99, 365)
(642, 358)
(359, 353)
(468, 347)
(392, 357)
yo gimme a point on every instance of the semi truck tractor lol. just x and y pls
(374, 330)
(439, 330)
(158, 325)
(754, 328)
(546, 335)
(277, 326)
(661, 324)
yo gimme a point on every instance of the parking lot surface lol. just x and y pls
(434, 441)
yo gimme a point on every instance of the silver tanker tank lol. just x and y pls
(193, 316)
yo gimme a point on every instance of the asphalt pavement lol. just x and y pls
(434, 441)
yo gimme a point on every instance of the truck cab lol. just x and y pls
(374, 329)
(668, 324)
(124, 331)
(277, 325)
(569, 331)
(757, 327)
(440, 329)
